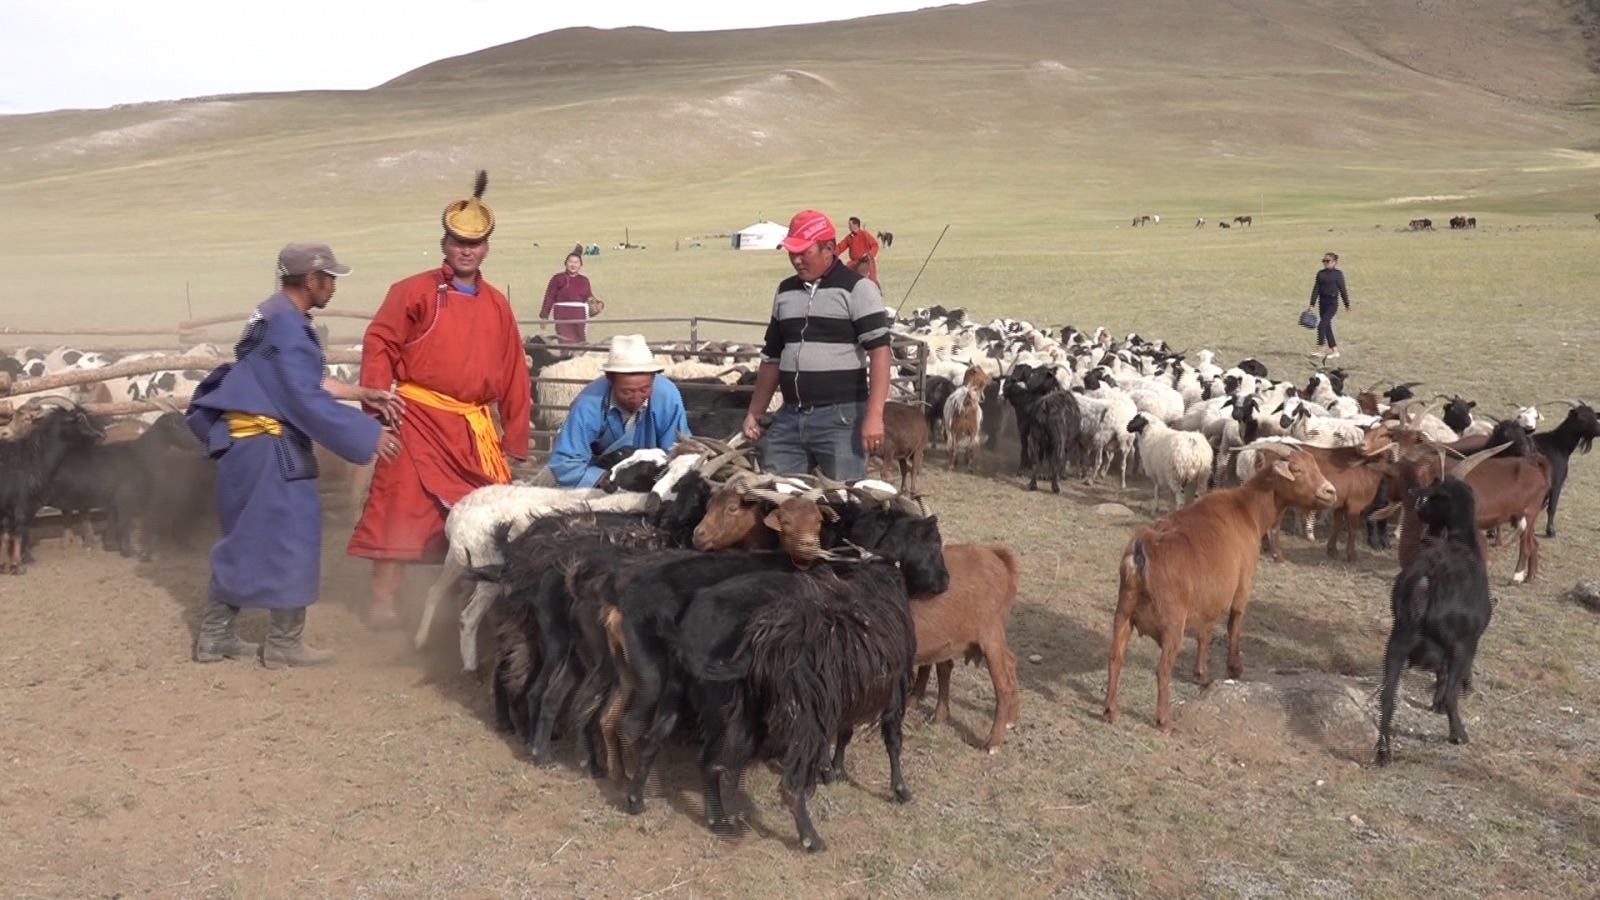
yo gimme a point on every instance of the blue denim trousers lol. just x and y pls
(821, 437)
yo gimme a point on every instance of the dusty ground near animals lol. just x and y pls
(126, 768)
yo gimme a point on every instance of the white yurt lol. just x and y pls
(762, 235)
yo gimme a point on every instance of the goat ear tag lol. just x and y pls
(1283, 470)
(772, 521)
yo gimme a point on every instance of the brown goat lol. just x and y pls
(733, 521)
(963, 416)
(1506, 491)
(905, 438)
(968, 621)
(1181, 572)
(1354, 473)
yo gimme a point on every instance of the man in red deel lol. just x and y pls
(863, 250)
(447, 342)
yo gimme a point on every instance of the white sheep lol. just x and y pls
(1315, 426)
(1179, 461)
(470, 529)
(1105, 413)
(554, 397)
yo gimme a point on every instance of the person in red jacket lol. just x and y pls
(571, 299)
(863, 250)
(447, 342)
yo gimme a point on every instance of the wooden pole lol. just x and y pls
(147, 366)
(196, 324)
(9, 329)
(134, 407)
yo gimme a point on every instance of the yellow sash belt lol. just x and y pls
(243, 425)
(478, 419)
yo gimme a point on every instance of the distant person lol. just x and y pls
(258, 416)
(447, 339)
(1326, 292)
(827, 349)
(570, 299)
(863, 249)
(632, 405)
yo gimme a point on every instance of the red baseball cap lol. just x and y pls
(807, 228)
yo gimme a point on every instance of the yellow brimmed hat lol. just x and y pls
(470, 219)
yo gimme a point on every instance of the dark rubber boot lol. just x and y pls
(286, 644)
(217, 640)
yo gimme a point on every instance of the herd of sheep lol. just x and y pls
(779, 613)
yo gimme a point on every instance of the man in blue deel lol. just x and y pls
(258, 417)
(631, 406)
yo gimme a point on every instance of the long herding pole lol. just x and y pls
(919, 271)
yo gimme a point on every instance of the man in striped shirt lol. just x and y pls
(827, 349)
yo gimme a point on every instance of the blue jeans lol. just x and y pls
(823, 437)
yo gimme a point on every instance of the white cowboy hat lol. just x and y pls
(630, 354)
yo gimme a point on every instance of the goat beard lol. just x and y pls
(802, 550)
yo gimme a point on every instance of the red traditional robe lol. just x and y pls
(863, 250)
(467, 348)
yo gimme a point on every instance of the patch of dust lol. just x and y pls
(1427, 198)
(181, 122)
(1060, 70)
(1574, 159)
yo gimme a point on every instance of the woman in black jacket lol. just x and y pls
(1326, 292)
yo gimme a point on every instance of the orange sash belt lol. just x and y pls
(478, 419)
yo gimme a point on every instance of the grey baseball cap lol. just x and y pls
(303, 259)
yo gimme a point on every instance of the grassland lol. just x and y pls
(125, 768)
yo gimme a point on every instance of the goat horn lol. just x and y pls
(716, 445)
(1466, 466)
(767, 494)
(1572, 403)
(715, 463)
(1380, 450)
(1281, 448)
(1385, 512)
(50, 400)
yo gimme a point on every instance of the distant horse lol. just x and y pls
(1223, 224)
(1200, 221)
(886, 238)
(1458, 222)
(1241, 220)
(1421, 225)
(1140, 220)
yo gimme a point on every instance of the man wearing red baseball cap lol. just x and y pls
(827, 350)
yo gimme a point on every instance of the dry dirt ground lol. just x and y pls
(130, 771)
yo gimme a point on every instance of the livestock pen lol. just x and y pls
(908, 381)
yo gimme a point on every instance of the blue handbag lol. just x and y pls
(1308, 319)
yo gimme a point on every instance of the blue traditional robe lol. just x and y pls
(270, 555)
(595, 427)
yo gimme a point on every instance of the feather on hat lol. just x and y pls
(470, 219)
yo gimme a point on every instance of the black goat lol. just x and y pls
(28, 464)
(1441, 608)
(1048, 424)
(550, 637)
(818, 653)
(1457, 413)
(656, 597)
(1576, 432)
(118, 478)
(935, 391)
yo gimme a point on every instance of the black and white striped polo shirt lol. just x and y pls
(820, 334)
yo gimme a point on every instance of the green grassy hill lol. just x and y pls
(1030, 126)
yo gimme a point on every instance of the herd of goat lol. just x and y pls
(771, 615)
